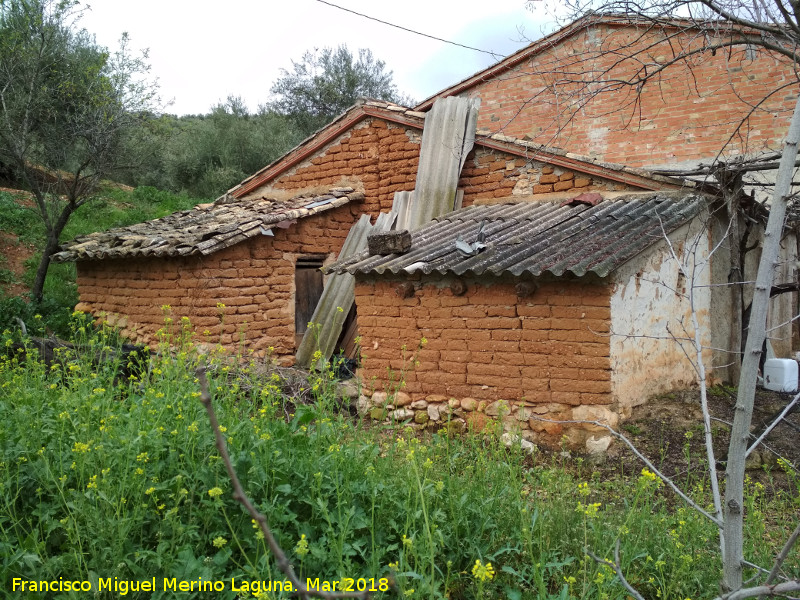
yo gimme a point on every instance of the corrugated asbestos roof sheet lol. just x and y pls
(447, 139)
(538, 237)
(203, 230)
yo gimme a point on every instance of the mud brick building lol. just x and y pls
(563, 313)
(562, 316)
(259, 249)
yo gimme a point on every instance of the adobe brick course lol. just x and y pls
(490, 359)
(259, 310)
(381, 172)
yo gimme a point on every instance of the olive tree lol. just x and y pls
(65, 103)
(328, 81)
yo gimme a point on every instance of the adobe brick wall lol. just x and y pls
(493, 174)
(382, 158)
(253, 279)
(688, 113)
(544, 355)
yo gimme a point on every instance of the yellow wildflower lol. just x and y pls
(301, 548)
(482, 572)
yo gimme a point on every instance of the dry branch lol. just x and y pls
(617, 567)
(239, 494)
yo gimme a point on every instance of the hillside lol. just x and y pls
(22, 233)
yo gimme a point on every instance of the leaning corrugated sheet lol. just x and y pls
(447, 138)
(539, 237)
(337, 297)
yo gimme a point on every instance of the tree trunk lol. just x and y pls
(733, 508)
(732, 191)
(37, 290)
(53, 236)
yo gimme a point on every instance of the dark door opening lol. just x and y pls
(307, 292)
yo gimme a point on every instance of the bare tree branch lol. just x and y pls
(779, 589)
(772, 425)
(617, 569)
(239, 494)
(776, 568)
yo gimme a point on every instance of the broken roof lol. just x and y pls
(401, 115)
(538, 237)
(203, 230)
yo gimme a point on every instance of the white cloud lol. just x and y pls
(203, 51)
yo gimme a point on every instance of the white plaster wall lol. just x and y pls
(650, 308)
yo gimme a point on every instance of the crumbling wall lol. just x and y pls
(487, 353)
(493, 174)
(254, 280)
(652, 349)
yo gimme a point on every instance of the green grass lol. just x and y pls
(121, 478)
(112, 207)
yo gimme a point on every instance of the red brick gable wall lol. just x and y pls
(253, 279)
(381, 156)
(689, 112)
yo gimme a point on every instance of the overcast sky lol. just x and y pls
(201, 51)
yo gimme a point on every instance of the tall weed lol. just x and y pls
(103, 477)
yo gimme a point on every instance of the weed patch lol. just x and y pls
(123, 480)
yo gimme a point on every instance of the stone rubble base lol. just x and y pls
(549, 424)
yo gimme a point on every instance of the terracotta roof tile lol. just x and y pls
(203, 230)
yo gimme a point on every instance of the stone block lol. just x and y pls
(598, 445)
(363, 405)
(401, 399)
(383, 243)
(469, 404)
(379, 398)
(498, 409)
(401, 414)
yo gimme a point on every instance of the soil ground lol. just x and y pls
(14, 253)
(669, 431)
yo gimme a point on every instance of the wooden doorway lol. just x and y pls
(308, 284)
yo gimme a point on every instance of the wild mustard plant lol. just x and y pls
(117, 482)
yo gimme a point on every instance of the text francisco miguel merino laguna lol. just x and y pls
(124, 586)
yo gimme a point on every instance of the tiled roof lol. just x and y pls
(203, 230)
(539, 237)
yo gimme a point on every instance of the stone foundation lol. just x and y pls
(535, 423)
